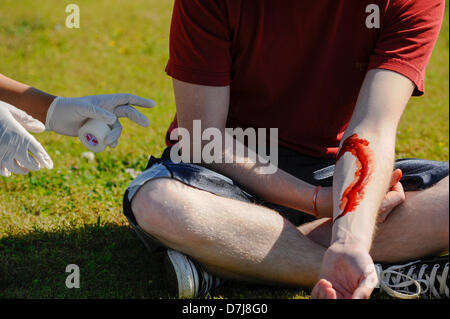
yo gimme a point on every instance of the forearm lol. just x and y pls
(361, 180)
(29, 99)
(366, 155)
(271, 183)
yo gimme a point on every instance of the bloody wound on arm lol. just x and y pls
(365, 163)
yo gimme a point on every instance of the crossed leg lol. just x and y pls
(248, 242)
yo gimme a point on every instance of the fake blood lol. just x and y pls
(354, 193)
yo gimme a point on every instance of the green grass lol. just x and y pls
(72, 214)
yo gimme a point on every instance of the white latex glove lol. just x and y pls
(16, 143)
(67, 115)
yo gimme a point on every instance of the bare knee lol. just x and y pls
(155, 207)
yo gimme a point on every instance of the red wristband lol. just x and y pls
(316, 191)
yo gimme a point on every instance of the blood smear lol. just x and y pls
(365, 160)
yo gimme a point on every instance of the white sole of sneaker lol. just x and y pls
(186, 274)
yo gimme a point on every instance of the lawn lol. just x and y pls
(73, 213)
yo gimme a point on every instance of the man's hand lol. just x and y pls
(347, 272)
(394, 197)
(17, 145)
(67, 115)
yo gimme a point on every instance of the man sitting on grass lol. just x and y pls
(334, 78)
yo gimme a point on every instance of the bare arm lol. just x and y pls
(361, 179)
(210, 105)
(29, 99)
(382, 99)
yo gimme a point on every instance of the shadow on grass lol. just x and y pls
(113, 264)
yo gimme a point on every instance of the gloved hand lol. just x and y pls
(67, 115)
(16, 143)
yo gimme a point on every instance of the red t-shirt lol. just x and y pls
(298, 65)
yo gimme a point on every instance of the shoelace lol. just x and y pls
(390, 280)
(208, 281)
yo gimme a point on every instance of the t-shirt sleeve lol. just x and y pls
(199, 50)
(408, 33)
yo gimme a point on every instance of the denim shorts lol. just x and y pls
(417, 174)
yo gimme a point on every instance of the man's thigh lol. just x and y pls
(190, 175)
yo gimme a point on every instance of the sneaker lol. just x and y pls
(420, 278)
(186, 278)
